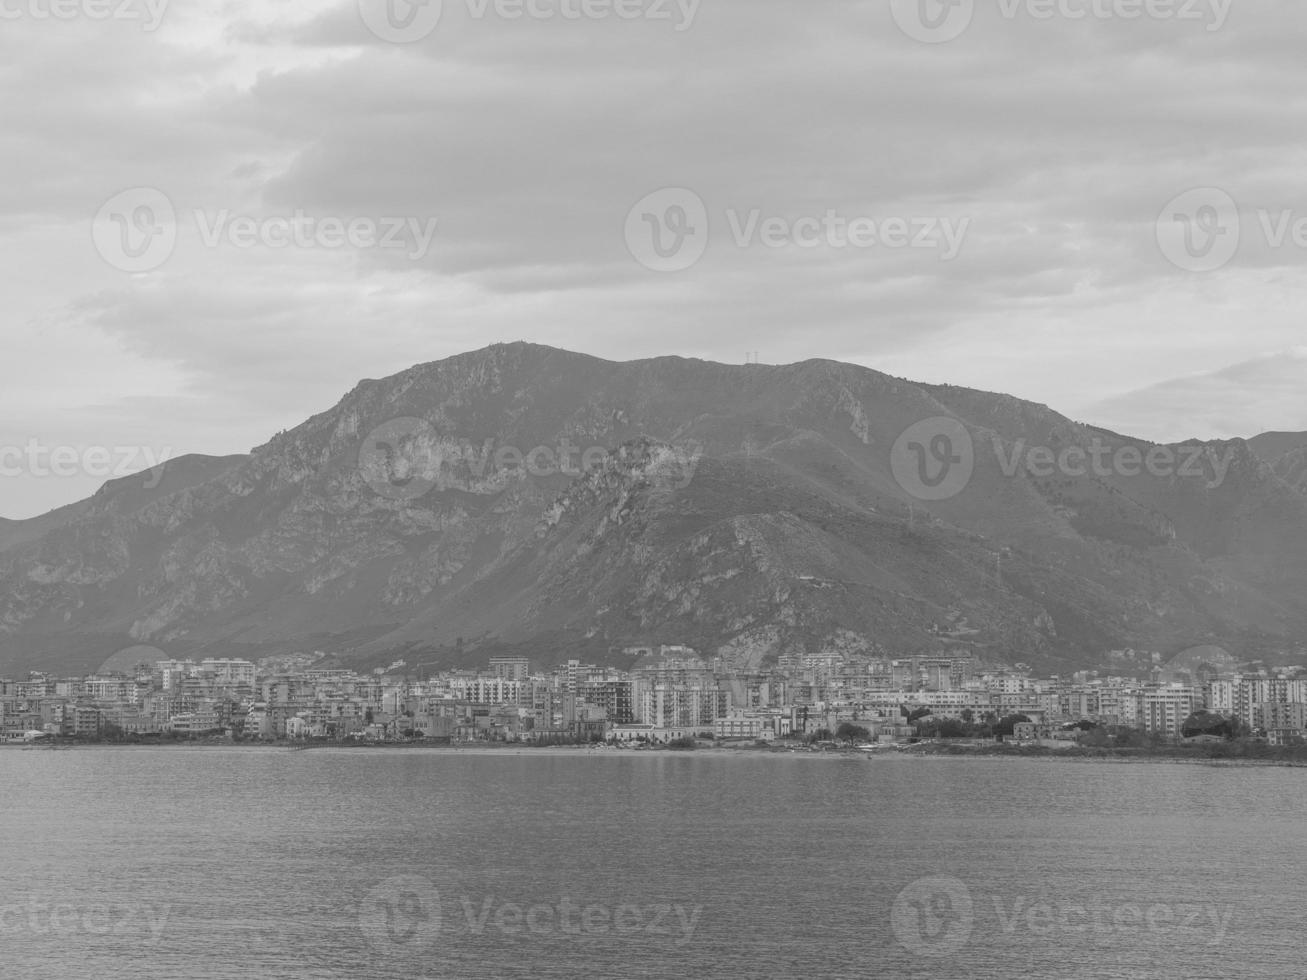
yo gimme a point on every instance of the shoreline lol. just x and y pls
(1072, 755)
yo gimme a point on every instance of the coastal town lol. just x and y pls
(670, 695)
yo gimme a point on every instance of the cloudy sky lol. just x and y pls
(218, 216)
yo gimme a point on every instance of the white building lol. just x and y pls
(198, 722)
(488, 690)
(229, 672)
(741, 725)
(1166, 708)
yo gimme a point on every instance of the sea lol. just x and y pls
(231, 863)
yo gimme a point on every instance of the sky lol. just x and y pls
(217, 216)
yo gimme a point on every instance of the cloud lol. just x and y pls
(1257, 395)
(1057, 141)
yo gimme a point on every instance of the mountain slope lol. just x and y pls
(526, 498)
(1286, 452)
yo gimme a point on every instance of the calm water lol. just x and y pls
(228, 863)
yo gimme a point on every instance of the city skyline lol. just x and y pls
(668, 695)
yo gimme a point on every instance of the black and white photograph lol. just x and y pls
(653, 489)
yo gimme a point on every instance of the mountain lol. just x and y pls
(1271, 446)
(532, 500)
(1286, 452)
(123, 495)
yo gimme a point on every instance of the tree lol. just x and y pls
(849, 732)
(944, 728)
(1205, 722)
(1129, 738)
(1007, 725)
(951, 728)
(1095, 738)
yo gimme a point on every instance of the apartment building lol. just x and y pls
(229, 673)
(489, 690)
(510, 668)
(1164, 709)
(1276, 716)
